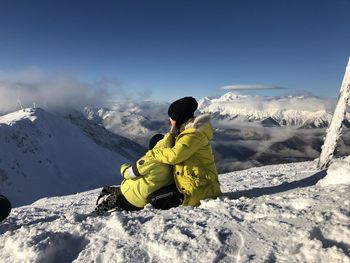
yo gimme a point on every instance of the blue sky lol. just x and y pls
(171, 49)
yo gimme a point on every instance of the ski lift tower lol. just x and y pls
(335, 128)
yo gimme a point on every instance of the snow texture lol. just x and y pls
(267, 214)
(337, 173)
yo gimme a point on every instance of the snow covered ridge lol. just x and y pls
(287, 219)
(305, 112)
(43, 154)
(338, 173)
(101, 136)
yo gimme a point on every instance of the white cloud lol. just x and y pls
(251, 87)
(53, 92)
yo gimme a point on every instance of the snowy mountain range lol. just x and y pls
(44, 154)
(136, 120)
(249, 130)
(268, 214)
(299, 111)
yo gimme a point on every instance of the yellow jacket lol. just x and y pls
(194, 169)
(146, 176)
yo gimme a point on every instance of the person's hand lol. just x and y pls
(173, 128)
(172, 122)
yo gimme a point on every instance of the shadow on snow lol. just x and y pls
(257, 192)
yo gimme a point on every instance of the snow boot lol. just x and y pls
(107, 190)
(107, 200)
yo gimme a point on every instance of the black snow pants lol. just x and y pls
(166, 197)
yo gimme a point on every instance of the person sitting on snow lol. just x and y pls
(140, 180)
(195, 173)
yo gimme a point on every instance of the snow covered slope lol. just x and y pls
(101, 136)
(43, 154)
(286, 219)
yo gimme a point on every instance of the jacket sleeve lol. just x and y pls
(140, 168)
(183, 149)
(167, 142)
(130, 171)
(123, 170)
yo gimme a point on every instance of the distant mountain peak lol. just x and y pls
(302, 111)
(18, 115)
(231, 96)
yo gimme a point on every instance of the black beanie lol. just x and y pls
(153, 141)
(5, 207)
(182, 110)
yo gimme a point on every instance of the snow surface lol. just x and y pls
(287, 218)
(337, 173)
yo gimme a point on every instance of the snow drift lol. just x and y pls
(338, 173)
(300, 223)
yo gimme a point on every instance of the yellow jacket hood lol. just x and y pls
(201, 124)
